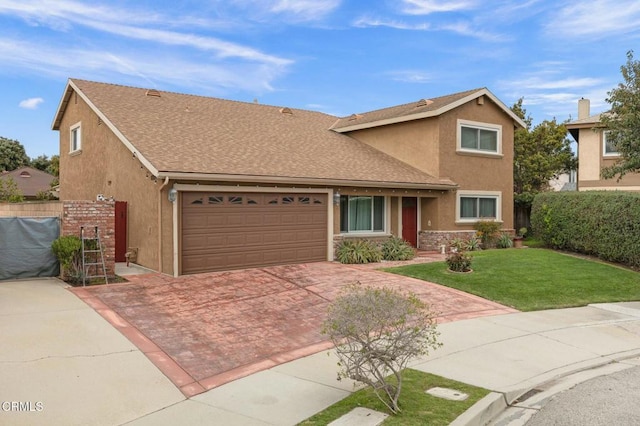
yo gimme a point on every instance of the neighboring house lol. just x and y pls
(596, 152)
(564, 182)
(30, 181)
(213, 184)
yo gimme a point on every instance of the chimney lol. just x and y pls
(584, 107)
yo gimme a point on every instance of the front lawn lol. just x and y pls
(418, 407)
(534, 279)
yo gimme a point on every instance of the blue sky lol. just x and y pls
(334, 56)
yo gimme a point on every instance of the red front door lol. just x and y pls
(121, 231)
(410, 220)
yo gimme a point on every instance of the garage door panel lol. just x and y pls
(226, 231)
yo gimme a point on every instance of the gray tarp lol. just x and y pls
(25, 247)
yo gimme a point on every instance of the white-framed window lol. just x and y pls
(75, 138)
(472, 206)
(608, 145)
(362, 213)
(473, 136)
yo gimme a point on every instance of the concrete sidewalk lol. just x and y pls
(58, 352)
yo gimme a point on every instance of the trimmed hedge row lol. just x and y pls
(604, 224)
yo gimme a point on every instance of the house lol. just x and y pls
(213, 184)
(29, 181)
(596, 152)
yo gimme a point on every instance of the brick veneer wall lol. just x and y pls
(90, 214)
(434, 240)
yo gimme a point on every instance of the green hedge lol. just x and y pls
(604, 224)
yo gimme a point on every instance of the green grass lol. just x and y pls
(534, 279)
(418, 407)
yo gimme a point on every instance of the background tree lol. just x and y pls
(54, 166)
(41, 162)
(541, 153)
(623, 120)
(12, 154)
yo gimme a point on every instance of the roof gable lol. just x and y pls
(424, 108)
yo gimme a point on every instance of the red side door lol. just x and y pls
(121, 231)
(410, 220)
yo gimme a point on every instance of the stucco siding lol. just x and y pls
(413, 142)
(105, 166)
(589, 155)
(476, 172)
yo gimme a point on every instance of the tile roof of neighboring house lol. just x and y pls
(30, 181)
(417, 110)
(179, 135)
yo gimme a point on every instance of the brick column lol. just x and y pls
(90, 214)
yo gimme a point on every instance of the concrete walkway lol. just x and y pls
(66, 365)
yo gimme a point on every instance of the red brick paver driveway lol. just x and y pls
(208, 329)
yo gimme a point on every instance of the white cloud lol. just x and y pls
(292, 10)
(61, 14)
(461, 28)
(595, 19)
(31, 103)
(306, 10)
(365, 22)
(133, 67)
(426, 7)
(411, 76)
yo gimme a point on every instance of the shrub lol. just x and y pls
(458, 244)
(358, 251)
(459, 261)
(605, 224)
(504, 241)
(397, 249)
(473, 244)
(377, 331)
(488, 231)
(9, 191)
(67, 251)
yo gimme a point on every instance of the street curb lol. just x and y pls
(494, 404)
(483, 411)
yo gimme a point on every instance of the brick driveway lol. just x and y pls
(208, 329)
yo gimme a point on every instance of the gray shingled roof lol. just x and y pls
(179, 133)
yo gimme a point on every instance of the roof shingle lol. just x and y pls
(180, 133)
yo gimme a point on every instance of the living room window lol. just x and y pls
(75, 142)
(361, 213)
(479, 137)
(482, 205)
(608, 145)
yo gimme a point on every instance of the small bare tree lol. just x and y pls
(377, 331)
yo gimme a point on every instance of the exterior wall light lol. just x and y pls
(173, 195)
(336, 198)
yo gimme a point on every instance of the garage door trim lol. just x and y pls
(248, 189)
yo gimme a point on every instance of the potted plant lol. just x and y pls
(517, 241)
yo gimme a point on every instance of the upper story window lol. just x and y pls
(472, 206)
(608, 145)
(479, 137)
(75, 142)
(362, 213)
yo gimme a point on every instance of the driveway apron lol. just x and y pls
(208, 329)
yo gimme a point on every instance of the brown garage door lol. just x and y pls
(229, 231)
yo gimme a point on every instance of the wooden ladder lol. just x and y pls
(92, 256)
